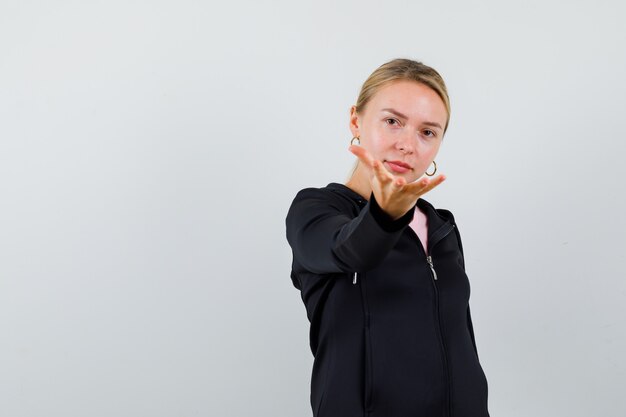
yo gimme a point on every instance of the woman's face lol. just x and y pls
(402, 126)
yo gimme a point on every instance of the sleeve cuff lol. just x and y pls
(385, 221)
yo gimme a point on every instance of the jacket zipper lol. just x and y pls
(438, 237)
(429, 259)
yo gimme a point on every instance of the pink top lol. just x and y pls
(420, 226)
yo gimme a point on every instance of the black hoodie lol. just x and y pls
(391, 330)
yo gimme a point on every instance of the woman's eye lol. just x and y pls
(429, 133)
(392, 122)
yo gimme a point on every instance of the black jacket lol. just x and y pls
(391, 330)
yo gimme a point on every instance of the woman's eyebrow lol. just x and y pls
(397, 113)
(433, 124)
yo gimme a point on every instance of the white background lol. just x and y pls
(149, 152)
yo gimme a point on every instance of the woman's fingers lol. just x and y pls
(381, 173)
(424, 185)
(400, 181)
(363, 155)
(417, 188)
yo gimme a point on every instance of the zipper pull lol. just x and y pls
(432, 267)
(354, 280)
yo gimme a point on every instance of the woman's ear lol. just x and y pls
(354, 122)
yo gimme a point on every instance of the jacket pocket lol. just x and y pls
(368, 374)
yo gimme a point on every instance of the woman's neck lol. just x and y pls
(359, 183)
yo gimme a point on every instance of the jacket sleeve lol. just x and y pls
(470, 326)
(326, 239)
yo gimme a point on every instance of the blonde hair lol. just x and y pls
(403, 69)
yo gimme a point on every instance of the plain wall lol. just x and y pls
(149, 152)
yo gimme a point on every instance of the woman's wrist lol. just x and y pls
(387, 221)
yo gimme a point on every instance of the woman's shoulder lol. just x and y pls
(332, 192)
(333, 197)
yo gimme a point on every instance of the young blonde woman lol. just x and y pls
(381, 271)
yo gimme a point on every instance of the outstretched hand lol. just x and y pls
(393, 194)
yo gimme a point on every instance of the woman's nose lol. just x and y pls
(406, 144)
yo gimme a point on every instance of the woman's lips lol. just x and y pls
(398, 166)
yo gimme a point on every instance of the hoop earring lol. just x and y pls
(358, 141)
(434, 172)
